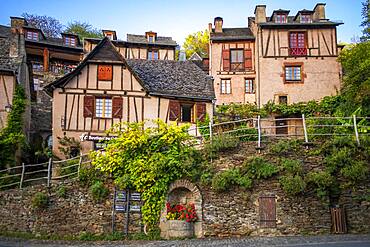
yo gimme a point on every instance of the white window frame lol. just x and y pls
(225, 86)
(103, 107)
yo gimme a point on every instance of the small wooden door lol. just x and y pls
(281, 126)
(267, 211)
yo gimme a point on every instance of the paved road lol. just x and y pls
(296, 241)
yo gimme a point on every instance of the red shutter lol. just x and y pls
(117, 105)
(226, 60)
(248, 59)
(88, 106)
(201, 111)
(105, 72)
(267, 208)
(174, 110)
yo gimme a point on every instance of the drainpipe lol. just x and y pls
(259, 37)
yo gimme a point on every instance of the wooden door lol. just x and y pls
(281, 126)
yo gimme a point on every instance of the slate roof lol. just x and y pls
(182, 79)
(7, 63)
(159, 77)
(228, 34)
(141, 39)
(292, 22)
(4, 31)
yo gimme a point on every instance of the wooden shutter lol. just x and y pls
(267, 208)
(248, 59)
(174, 110)
(88, 106)
(105, 72)
(117, 107)
(201, 111)
(226, 59)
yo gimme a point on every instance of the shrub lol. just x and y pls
(220, 143)
(225, 180)
(284, 147)
(321, 181)
(69, 167)
(62, 192)
(292, 185)
(89, 175)
(293, 167)
(98, 191)
(257, 167)
(245, 182)
(245, 133)
(40, 200)
(355, 172)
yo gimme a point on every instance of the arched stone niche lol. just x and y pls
(183, 191)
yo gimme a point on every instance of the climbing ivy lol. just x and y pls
(12, 137)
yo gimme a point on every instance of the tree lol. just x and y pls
(83, 30)
(197, 42)
(366, 20)
(50, 26)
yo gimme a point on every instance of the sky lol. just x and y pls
(174, 18)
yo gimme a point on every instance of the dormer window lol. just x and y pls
(70, 41)
(32, 35)
(305, 18)
(151, 38)
(109, 35)
(280, 18)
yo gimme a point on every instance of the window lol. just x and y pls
(153, 55)
(249, 86)
(103, 107)
(297, 44)
(237, 59)
(32, 35)
(70, 41)
(280, 18)
(186, 112)
(36, 84)
(306, 18)
(105, 72)
(283, 99)
(225, 86)
(293, 73)
(151, 38)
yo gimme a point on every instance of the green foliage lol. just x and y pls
(98, 191)
(83, 30)
(285, 147)
(147, 160)
(355, 172)
(322, 181)
(292, 184)
(197, 42)
(366, 20)
(40, 200)
(293, 167)
(235, 111)
(220, 143)
(258, 167)
(89, 175)
(62, 191)
(12, 137)
(224, 180)
(69, 167)
(69, 146)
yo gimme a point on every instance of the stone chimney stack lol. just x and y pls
(260, 13)
(210, 27)
(319, 12)
(218, 24)
(17, 44)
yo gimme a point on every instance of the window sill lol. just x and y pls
(293, 82)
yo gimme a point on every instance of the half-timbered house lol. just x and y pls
(106, 89)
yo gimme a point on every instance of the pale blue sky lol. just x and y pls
(175, 18)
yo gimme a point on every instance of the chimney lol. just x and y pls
(17, 44)
(218, 24)
(210, 27)
(260, 13)
(319, 12)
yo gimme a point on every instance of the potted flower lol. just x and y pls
(180, 220)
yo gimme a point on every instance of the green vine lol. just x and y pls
(12, 136)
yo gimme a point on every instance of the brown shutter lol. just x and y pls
(105, 72)
(248, 58)
(267, 212)
(226, 59)
(175, 110)
(117, 104)
(201, 111)
(88, 106)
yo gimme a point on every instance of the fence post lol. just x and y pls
(79, 166)
(304, 129)
(22, 175)
(210, 132)
(259, 133)
(356, 131)
(49, 171)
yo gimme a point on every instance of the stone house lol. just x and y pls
(282, 58)
(106, 89)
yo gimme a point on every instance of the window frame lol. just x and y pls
(104, 107)
(251, 85)
(34, 35)
(240, 65)
(292, 65)
(221, 86)
(68, 41)
(297, 50)
(308, 20)
(281, 18)
(152, 53)
(191, 105)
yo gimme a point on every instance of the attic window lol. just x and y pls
(151, 38)
(105, 72)
(109, 35)
(70, 41)
(306, 18)
(31, 35)
(280, 18)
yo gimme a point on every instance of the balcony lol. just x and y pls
(297, 51)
